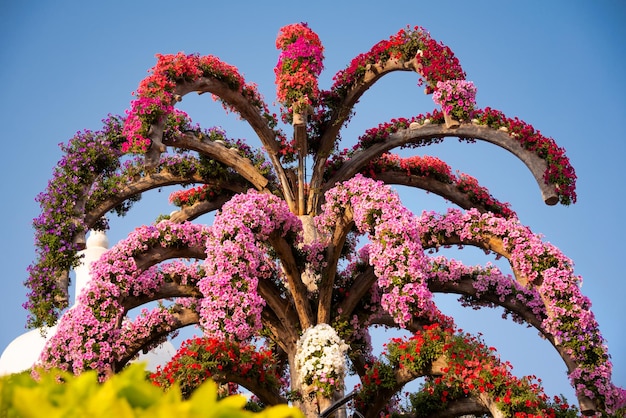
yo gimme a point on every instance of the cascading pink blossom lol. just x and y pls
(236, 260)
(88, 336)
(395, 251)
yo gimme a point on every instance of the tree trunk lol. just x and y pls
(311, 405)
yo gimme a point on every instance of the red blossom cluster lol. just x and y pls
(472, 370)
(438, 63)
(433, 167)
(382, 51)
(204, 192)
(199, 359)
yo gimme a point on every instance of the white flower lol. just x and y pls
(321, 354)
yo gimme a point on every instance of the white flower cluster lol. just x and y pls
(321, 358)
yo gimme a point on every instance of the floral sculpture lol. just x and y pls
(281, 263)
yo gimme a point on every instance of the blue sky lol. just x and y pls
(558, 65)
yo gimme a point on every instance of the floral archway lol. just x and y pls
(280, 263)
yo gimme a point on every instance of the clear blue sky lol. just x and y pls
(558, 65)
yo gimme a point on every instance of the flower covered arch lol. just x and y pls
(280, 263)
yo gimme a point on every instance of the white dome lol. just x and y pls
(24, 351)
(97, 239)
(159, 356)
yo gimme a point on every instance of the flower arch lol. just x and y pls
(281, 257)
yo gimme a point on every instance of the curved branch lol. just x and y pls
(156, 255)
(402, 377)
(150, 182)
(281, 329)
(417, 323)
(283, 310)
(297, 287)
(227, 156)
(250, 113)
(165, 291)
(465, 287)
(535, 164)
(461, 407)
(372, 74)
(182, 317)
(189, 213)
(333, 252)
(365, 280)
(448, 191)
(342, 112)
(362, 284)
(260, 389)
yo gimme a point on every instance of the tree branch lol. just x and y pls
(227, 156)
(333, 252)
(250, 113)
(448, 191)
(340, 115)
(296, 287)
(182, 317)
(535, 164)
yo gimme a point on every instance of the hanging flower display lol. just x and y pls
(321, 359)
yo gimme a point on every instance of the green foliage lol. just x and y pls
(57, 394)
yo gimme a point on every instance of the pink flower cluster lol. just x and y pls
(487, 280)
(299, 65)
(236, 259)
(456, 97)
(89, 335)
(395, 252)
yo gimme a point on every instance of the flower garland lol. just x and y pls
(86, 155)
(559, 171)
(472, 370)
(487, 280)
(436, 61)
(432, 167)
(236, 261)
(299, 65)
(321, 360)
(91, 171)
(569, 318)
(155, 96)
(88, 336)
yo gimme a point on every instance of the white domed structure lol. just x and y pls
(24, 351)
